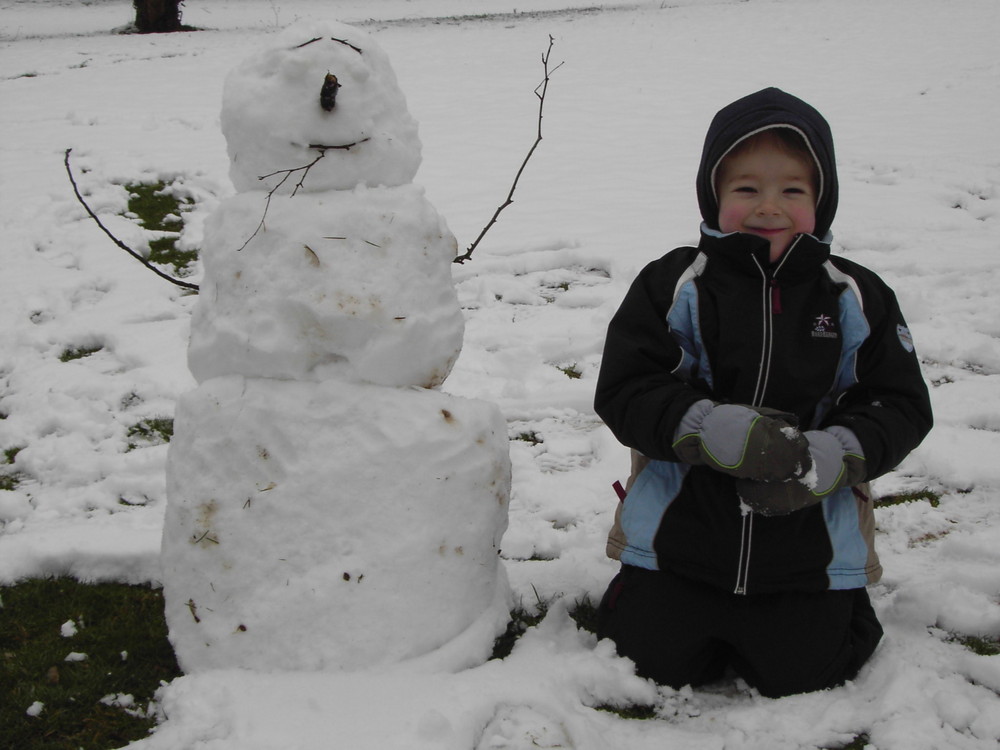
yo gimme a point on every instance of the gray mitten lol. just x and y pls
(746, 442)
(837, 461)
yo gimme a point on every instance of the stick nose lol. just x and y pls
(328, 92)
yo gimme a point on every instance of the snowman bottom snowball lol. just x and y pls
(316, 526)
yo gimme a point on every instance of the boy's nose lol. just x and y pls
(767, 205)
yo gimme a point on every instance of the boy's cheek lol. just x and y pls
(730, 220)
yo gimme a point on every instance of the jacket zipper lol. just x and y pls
(770, 306)
(746, 537)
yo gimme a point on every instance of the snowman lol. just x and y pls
(329, 507)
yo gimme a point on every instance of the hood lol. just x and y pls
(769, 108)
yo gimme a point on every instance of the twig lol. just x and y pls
(288, 173)
(122, 245)
(347, 44)
(332, 39)
(540, 91)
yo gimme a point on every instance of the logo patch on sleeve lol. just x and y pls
(905, 337)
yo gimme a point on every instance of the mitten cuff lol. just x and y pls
(848, 440)
(689, 427)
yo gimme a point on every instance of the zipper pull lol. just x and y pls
(775, 297)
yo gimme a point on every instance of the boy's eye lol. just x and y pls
(744, 189)
(795, 190)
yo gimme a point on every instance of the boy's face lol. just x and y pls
(768, 192)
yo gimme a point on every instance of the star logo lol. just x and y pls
(823, 327)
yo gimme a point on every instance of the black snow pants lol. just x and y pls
(682, 632)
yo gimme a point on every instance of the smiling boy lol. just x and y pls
(761, 382)
(768, 188)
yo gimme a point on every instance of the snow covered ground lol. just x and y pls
(912, 91)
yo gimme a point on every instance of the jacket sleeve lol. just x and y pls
(888, 408)
(638, 395)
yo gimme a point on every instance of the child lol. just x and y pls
(761, 382)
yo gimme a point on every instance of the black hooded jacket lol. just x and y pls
(813, 334)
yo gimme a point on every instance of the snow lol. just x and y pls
(912, 91)
(291, 545)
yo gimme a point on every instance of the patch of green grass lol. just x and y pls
(981, 645)
(520, 620)
(155, 206)
(573, 372)
(158, 208)
(909, 497)
(9, 480)
(151, 431)
(121, 630)
(164, 251)
(636, 712)
(529, 436)
(78, 352)
(583, 613)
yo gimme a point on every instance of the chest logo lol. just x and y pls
(823, 328)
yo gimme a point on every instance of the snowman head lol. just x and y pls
(324, 96)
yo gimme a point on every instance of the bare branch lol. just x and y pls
(540, 92)
(332, 39)
(288, 173)
(122, 245)
(346, 44)
(306, 44)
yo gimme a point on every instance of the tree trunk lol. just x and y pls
(157, 16)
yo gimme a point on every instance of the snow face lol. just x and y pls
(281, 110)
(346, 284)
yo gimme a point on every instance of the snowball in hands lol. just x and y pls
(327, 507)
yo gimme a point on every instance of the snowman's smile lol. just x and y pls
(326, 147)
